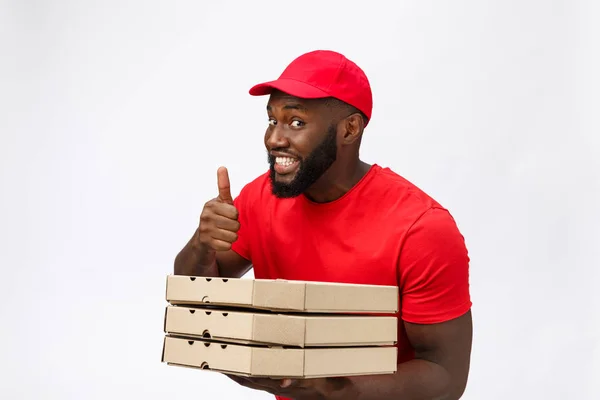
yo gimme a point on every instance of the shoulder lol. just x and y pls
(424, 222)
(426, 213)
(400, 195)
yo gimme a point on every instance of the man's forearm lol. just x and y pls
(415, 380)
(196, 260)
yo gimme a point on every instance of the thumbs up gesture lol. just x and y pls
(224, 186)
(219, 219)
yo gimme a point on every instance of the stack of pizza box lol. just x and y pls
(280, 328)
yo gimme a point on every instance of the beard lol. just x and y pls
(310, 169)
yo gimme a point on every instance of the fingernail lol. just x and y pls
(286, 382)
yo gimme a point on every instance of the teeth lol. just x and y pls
(285, 161)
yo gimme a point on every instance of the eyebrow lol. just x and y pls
(291, 106)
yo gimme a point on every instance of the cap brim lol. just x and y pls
(291, 87)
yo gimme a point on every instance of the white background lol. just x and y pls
(114, 116)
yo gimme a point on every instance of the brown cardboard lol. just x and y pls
(277, 362)
(280, 329)
(282, 295)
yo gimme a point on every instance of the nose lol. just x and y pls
(276, 138)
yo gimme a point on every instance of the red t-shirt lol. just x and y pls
(383, 231)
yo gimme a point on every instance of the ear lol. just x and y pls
(353, 127)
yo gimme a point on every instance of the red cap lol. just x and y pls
(323, 73)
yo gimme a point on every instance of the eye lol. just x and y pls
(272, 122)
(297, 124)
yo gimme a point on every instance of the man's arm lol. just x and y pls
(197, 260)
(434, 284)
(439, 371)
(209, 251)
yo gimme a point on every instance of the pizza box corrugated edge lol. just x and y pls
(323, 362)
(288, 295)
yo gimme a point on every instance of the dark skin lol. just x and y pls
(439, 371)
(300, 125)
(441, 366)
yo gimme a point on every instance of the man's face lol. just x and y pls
(301, 143)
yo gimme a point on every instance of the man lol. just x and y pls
(322, 214)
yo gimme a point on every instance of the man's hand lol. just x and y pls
(219, 219)
(208, 252)
(297, 389)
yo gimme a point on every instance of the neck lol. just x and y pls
(337, 181)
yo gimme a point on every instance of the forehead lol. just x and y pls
(283, 101)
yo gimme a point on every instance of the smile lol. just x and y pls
(285, 161)
(285, 165)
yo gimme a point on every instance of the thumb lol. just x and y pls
(285, 383)
(224, 186)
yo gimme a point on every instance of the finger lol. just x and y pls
(264, 383)
(220, 245)
(224, 186)
(225, 210)
(253, 384)
(224, 235)
(227, 224)
(285, 383)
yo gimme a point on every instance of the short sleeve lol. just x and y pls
(434, 270)
(242, 244)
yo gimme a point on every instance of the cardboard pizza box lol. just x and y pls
(279, 362)
(282, 295)
(242, 326)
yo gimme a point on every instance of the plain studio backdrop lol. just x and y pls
(114, 116)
